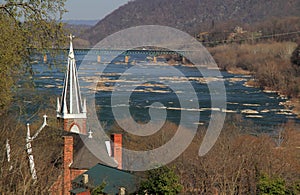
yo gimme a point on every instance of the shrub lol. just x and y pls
(161, 181)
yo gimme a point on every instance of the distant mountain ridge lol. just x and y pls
(81, 22)
(192, 16)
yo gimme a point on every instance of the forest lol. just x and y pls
(216, 17)
(243, 161)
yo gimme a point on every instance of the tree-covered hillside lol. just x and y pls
(195, 16)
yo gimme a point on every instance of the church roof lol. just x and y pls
(113, 178)
(83, 157)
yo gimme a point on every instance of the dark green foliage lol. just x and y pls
(276, 186)
(295, 188)
(271, 186)
(295, 59)
(10, 57)
(99, 189)
(161, 181)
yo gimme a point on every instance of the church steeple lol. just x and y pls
(70, 108)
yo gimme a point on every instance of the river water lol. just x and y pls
(265, 110)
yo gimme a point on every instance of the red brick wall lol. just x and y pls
(64, 184)
(75, 173)
(117, 149)
(68, 159)
(81, 123)
(58, 187)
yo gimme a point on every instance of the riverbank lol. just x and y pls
(268, 63)
(292, 104)
(238, 71)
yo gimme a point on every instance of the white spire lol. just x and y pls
(58, 105)
(71, 52)
(71, 105)
(8, 154)
(29, 139)
(84, 105)
(30, 155)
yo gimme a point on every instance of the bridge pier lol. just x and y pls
(45, 58)
(155, 59)
(183, 60)
(127, 59)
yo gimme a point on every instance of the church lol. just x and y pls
(78, 160)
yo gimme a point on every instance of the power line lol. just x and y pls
(252, 38)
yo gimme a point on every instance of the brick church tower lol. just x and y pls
(71, 110)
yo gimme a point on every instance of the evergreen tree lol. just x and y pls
(295, 59)
(271, 186)
(161, 181)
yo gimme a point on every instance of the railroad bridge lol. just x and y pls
(154, 53)
(150, 52)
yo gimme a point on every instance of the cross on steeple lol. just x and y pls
(70, 107)
(90, 134)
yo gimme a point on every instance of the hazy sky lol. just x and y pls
(91, 9)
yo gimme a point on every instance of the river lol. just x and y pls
(266, 110)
